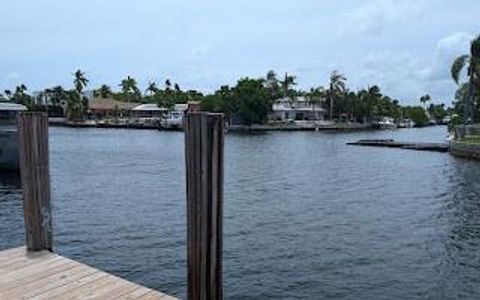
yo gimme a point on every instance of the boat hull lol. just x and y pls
(8, 150)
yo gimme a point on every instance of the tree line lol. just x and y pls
(250, 100)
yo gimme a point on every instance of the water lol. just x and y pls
(306, 216)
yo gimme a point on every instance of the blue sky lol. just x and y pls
(406, 47)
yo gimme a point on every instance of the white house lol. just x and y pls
(149, 110)
(300, 109)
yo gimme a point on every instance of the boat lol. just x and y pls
(8, 135)
(405, 123)
(386, 123)
(174, 120)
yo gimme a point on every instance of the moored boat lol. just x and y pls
(8, 135)
(386, 123)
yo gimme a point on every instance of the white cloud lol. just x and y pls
(406, 76)
(447, 49)
(374, 17)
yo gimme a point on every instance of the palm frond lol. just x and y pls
(475, 48)
(457, 67)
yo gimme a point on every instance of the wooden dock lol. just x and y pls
(388, 143)
(35, 272)
(45, 275)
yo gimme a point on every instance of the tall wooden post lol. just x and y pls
(34, 170)
(204, 135)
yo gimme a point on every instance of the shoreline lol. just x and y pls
(232, 128)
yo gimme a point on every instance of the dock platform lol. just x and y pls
(46, 275)
(389, 143)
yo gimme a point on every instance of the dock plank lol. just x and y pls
(45, 275)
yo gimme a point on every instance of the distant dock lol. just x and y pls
(389, 143)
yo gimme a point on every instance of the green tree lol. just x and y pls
(8, 95)
(253, 100)
(130, 91)
(151, 89)
(213, 103)
(424, 99)
(57, 94)
(20, 96)
(315, 96)
(77, 104)
(287, 85)
(417, 114)
(80, 81)
(273, 85)
(104, 91)
(472, 63)
(336, 90)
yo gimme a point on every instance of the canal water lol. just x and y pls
(306, 216)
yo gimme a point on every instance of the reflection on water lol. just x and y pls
(305, 215)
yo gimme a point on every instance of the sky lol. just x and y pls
(405, 47)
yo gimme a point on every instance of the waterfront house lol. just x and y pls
(299, 109)
(148, 110)
(101, 108)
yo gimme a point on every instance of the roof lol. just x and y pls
(12, 106)
(180, 106)
(155, 107)
(110, 104)
(299, 104)
(148, 107)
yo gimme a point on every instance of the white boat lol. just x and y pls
(386, 123)
(174, 119)
(405, 123)
(8, 135)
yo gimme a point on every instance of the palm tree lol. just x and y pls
(168, 84)
(80, 81)
(315, 97)
(152, 88)
(337, 89)
(75, 106)
(104, 91)
(472, 62)
(8, 94)
(129, 87)
(57, 95)
(287, 90)
(272, 84)
(424, 99)
(20, 96)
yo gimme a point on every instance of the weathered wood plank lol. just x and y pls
(61, 292)
(12, 253)
(28, 260)
(45, 275)
(36, 268)
(62, 276)
(204, 138)
(135, 294)
(33, 278)
(154, 296)
(34, 170)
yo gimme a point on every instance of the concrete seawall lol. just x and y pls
(466, 150)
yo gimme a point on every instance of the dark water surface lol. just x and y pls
(305, 215)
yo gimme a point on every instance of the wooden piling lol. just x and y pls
(34, 170)
(204, 137)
